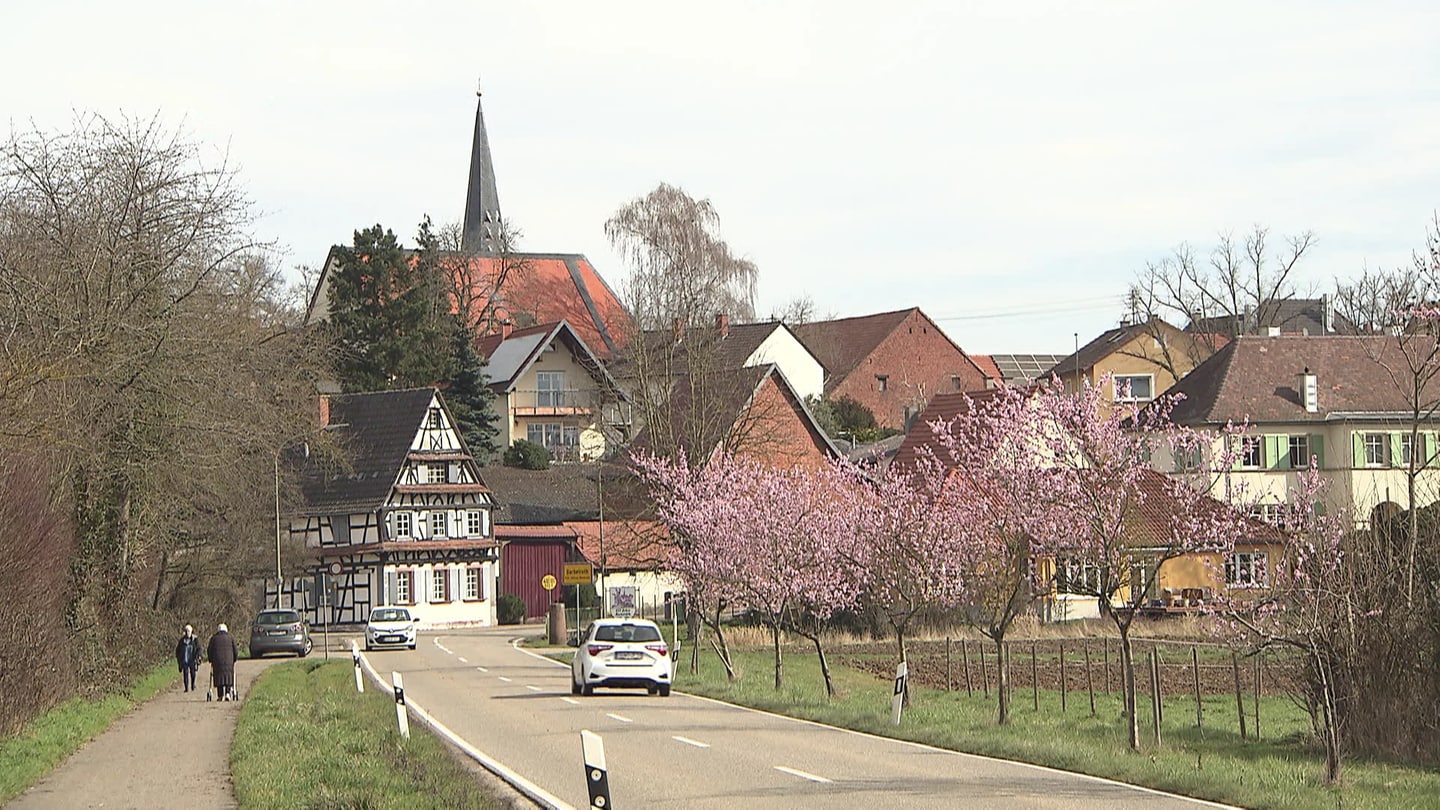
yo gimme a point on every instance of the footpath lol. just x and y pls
(173, 751)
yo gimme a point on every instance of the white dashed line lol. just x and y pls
(532, 688)
(462, 660)
(505, 679)
(482, 669)
(443, 648)
(803, 775)
(571, 701)
(689, 741)
(618, 717)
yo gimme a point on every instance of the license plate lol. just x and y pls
(277, 632)
(626, 655)
(387, 639)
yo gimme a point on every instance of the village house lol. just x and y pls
(1141, 360)
(404, 519)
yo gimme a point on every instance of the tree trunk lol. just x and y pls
(1330, 722)
(1002, 682)
(693, 626)
(1127, 684)
(824, 666)
(775, 636)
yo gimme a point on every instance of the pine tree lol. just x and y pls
(471, 401)
(389, 314)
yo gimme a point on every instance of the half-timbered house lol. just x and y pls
(403, 519)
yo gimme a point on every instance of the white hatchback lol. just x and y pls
(623, 653)
(390, 627)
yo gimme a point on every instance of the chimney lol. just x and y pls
(324, 412)
(505, 328)
(677, 326)
(1272, 331)
(722, 325)
(1309, 391)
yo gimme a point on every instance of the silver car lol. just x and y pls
(279, 631)
(622, 653)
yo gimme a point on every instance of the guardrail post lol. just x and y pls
(597, 778)
(399, 685)
(896, 702)
(355, 657)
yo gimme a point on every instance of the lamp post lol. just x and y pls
(279, 571)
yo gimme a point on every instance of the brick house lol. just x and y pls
(892, 363)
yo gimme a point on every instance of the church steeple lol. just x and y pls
(482, 229)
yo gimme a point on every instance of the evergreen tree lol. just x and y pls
(471, 401)
(389, 314)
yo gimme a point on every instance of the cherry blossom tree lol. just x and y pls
(1112, 520)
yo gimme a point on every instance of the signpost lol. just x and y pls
(622, 601)
(901, 673)
(398, 684)
(597, 776)
(577, 574)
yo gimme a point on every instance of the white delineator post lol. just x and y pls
(355, 656)
(399, 685)
(597, 778)
(896, 702)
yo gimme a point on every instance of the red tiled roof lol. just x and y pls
(987, 365)
(843, 344)
(636, 545)
(504, 531)
(563, 286)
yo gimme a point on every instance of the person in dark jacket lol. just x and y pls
(187, 656)
(222, 652)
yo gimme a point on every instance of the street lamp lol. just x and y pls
(279, 572)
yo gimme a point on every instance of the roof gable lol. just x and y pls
(509, 357)
(1108, 343)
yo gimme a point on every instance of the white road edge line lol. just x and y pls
(461, 660)
(571, 701)
(505, 679)
(689, 741)
(515, 645)
(536, 793)
(803, 775)
(618, 717)
(482, 669)
(532, 688)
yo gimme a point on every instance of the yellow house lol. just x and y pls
(550, 389)
(1142, 360)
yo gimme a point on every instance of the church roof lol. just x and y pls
(482, 229)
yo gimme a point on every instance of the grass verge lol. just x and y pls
(47, 740)
(306, 739)
(1281, 770)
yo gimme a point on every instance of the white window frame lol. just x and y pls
(475, 523)
(473, 589)
(405, 587)
(1407, 449)
(434, 420)
(439, 586)
(438, 524)
(437, 472)
(1380, 444)
(1267, 512)
(1072, 569)
(1116, 381)
(1247, 569)
(549, 389)
(404, 525)
(1300, 442)
(1252, 452)
(1189, 460)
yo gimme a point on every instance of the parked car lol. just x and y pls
(390, 627)
(275, 631)
(621, 653)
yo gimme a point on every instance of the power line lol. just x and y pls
(1080, 305)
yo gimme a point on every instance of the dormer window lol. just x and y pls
(433, 420)
(882, 382)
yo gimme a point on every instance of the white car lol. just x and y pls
(390, 627)
(624, 653)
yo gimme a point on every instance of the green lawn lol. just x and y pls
(306, 739)
(43, 744)
(1279, 771)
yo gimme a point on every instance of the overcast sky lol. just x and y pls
(1008, 167)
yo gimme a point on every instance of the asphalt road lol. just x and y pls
(686, 751)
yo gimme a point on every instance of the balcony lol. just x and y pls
(580, 402)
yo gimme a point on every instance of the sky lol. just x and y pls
(1008, 167)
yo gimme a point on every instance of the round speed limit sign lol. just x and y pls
(548, 582)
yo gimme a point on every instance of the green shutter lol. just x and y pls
(1317, 449)
(1396, 450)
(1358, 439)
(1277, 452)
(1428, 442)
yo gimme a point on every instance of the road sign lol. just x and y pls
(577, 574)
(336, 568)
(547, 582)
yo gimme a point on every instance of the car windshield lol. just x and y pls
(390, 615)
(627, 632)
(278, 617)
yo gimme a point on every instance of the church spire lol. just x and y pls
(482, 229)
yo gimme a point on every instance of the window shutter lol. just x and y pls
(388, 597)
(1358, 441)
(1277, 453)
(1317, 449)
(1428, 442)
(1397, 441)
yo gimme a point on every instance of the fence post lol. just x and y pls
(597, 778)
(1063, 684)
(1155, 691)
(1239, 699)
(1195, 667)
(1034, 677)
(948, 682)
(984, 673)
(1257, 693)
(398, 683)
(1105, 650)
(1089, 681)
(355, 657)
(965, 657)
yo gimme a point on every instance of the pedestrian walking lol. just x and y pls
(187, 657)
(222, 652)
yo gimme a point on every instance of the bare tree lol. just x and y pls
(1230, 292)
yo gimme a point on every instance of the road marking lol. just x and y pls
(618, 717)
(482, 669)
(689, 741)
(461, 660)
(803, 775)
(443, 648)
(532, 688)
(505, 679)
(571, 701)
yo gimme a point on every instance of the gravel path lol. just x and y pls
(171, 751)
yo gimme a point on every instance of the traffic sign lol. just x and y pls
(548, 582)
(578, 574)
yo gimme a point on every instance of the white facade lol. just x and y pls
(804, 373)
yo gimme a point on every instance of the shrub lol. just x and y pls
(527, 455)
(511, 609)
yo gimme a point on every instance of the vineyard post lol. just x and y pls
(1089, 681)
(1155, 691)
(984, 674)
(1195, 668)
(1034, 677)
(1064, 687)
(947, 664)
(1257, 693)
(1239, 694)
(965, 657)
